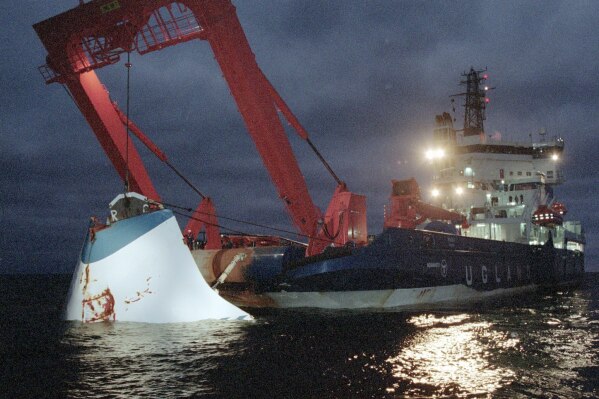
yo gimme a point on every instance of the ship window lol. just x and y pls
(519, 173)
(528, 174)
(550, 174)
(526, 186)
(510, 199)
(511, 173)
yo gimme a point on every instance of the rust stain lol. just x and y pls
(140, 295)
(85, 279)
(99, 307)
(96, 227)
(248, 299)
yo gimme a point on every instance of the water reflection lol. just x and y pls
(537, 347)
(147, 359)
(451, 355)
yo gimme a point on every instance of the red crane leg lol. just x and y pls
(205, 217)
(254, 100)
(93, 101)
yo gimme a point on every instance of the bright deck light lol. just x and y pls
(435, 192)
(434, 153)
(459, 190)
(555, 157)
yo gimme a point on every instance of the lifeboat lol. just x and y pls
(547, 217)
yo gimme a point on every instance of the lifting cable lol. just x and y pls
(185, 179)
(209, 224)
(154, 148)
(324, 162)
(237, 221)
(229, 219)
(294, 122)
(330, 236)
(128, 66)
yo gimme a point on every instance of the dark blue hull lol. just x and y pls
(407, 261)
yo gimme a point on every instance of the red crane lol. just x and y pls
(97, 33)
(408, 211)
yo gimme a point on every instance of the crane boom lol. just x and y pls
(255, 103)
(96, 33)
(407, 210)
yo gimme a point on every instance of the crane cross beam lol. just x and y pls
(93, 35)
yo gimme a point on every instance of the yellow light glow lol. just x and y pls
(435, 192)
(436, 153)
(555, 157)
(448, 351)
(459, 190)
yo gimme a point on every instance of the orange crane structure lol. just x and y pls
(96, 34)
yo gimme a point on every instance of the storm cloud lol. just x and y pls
(365, 78)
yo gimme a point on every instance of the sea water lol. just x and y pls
(544, 345)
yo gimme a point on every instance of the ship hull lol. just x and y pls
(400, 269)
(138, 269)
(441, 297)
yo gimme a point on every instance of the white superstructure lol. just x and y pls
(500, 185)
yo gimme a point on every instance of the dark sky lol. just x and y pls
(365, 78)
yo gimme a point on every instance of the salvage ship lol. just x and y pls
(493, 227)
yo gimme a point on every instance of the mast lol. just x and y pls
(475, 104)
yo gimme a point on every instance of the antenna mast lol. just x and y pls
(476, 102)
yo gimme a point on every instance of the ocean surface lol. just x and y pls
(544, 345)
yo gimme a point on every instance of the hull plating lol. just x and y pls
(140, 270)
(408, 298)
(401, 269)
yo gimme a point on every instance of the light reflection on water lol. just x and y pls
(540, 347)
(161, 360)
(450, 355)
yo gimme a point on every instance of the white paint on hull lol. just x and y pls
(153, 279)
(406, 298)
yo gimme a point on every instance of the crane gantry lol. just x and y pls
(95, 34)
